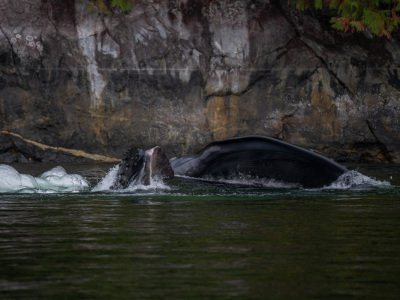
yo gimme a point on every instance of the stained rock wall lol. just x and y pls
(182, 73)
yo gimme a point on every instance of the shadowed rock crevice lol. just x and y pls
(384, 150)
(308, 44)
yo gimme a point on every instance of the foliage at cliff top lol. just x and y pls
(108, 6)
(379, 17)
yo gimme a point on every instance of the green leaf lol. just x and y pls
(380, 17)
(374, 21)
(357, 25)
(318, 4)
(334, 4)
(354, 5)
(338, 24)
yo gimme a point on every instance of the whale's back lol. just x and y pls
(260, 157)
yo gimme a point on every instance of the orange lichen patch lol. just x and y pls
(72, 152)
(322, 102)
(98, 123)
(100, 118)
(324, 112)
(223, 116)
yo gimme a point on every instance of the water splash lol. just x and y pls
(356, 180)
(156, 184)
(53, 181)
(349, 180)
(107, 181)
(105, 184)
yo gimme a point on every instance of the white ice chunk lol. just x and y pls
(57, 171)
(9, 178)
(54, 180)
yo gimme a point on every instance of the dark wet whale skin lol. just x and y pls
(262, 157)
(129, 168)
(141, 167)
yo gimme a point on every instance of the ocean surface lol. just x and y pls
(189, 239)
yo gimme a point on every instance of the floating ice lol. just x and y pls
(58, 177)
(54, 180)
(356, 180)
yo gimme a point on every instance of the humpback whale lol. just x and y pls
(260, 157)
(251, 156)
(141, 166)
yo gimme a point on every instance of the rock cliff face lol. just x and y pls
(182, 73)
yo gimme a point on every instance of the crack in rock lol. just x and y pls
(385, 151)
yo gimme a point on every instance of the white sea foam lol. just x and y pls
(52, 181)
(356, 180)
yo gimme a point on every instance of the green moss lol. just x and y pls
(109, 7)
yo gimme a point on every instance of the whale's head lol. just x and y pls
(140, 167)
(156, 165)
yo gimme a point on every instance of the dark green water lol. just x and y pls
(200, 241)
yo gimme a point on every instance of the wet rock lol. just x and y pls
(14, 148)
(182, 74)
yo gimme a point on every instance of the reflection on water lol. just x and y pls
(201, 242)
